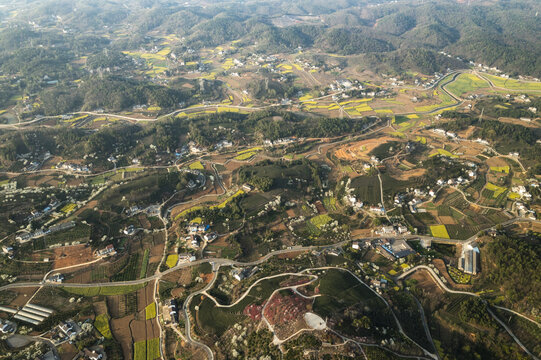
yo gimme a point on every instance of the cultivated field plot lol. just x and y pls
(513, 84)
(360, 150)
(367, 189)
(466, 83)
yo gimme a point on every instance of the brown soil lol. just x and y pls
(67, 351)
(100, 307)
(121, 331)
(81, 277)
(279, 227)
(440, 265)
(72, 255)
(361, 149)
(144, 296)
(429, 287)
(497, 161)
(447, 220)
(91, 205)
(23, 294)
(360, 233)
(408, 174)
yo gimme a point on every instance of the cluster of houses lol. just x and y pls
(109, 250)
(66, 331)
(521, 190)
(245, 273)
(393, 230)
(7, 327)
(279, 142)
(524, 212)
(77, 168)
(8, 251)
(198, 232)
(391, 248)
(25, 237)
(223, 144)
(33, 161)
(171, 311)
(35, 215)
(55, 278)
(442, 132)
(130, 230)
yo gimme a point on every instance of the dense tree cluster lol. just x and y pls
(515, 267)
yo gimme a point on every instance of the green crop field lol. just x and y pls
(340, 290)
(150, 311)
(147, 350)
(502, 169)
(129, 272)
(144, 264)
(512, 83)
(497, 190)
(103, 290)
(196, 166)
(439, 231)
(465, 83)
(320, 220)
(367, 189)
(458, 276)
(329, 203)
(171, 260)
(101, 323)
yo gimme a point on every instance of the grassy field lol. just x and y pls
(144, 264)
(254, 149)
(320, 220)
(102, 325)
(224, 203)
(465, 83)
(187, 211)
(439, 231)
(129, 272)
(339, 290)
(367, 189)
(171, 260)
(217, 320)
(445, 100)
(329, 203)
(512, 83)
(103, 290)
(444, 152)
(150, 311)
(245, 156)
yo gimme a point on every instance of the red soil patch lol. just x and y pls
(253, 311)
(283, 309)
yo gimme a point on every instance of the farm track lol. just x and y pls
(444, 287)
